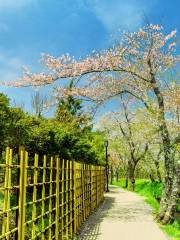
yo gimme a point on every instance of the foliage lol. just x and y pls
(71, 140)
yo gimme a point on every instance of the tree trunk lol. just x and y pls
(151, 177)
(156, 162)
(174, 199)
(112, 176)
(168, 159)
(132, 175)
(127, 179)
(117, 175)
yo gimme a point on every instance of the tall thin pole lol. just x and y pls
(107, 168)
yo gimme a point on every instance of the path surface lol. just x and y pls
(122, 216)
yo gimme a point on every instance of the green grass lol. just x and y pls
(152, 192)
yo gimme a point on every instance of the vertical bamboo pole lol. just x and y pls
(96, 187)
(100, 190)
(62, 202)
(43, 196)
(22, 194)
(91, 193)
(83, 186)
(84, 196)
(71, 201)
(89, 189)
(77, 195)
(99, 182)
(85, 189)
(102, 182)
(74, 198)
(17, 190)
(57, 198)
(9, 194)
(33, 232)
(81, 195)
(50, 199)
(67, 198)
(4, 224)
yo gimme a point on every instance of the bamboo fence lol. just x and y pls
(45, 197)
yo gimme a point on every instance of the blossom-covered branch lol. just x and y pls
(130, 58)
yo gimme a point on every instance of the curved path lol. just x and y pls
(122, 216)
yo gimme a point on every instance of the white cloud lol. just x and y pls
(10, 67)
(6, 4)
(120, 14)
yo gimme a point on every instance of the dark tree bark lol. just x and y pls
(117, 175)
(127, 179)
(156, 162)
(174, 199)
(112, 175)
(151, 176)
(132, 167)
(168, 159)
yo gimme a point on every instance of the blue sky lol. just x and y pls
(30, 27)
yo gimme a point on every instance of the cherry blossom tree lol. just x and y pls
(137, 66)
(136, 148)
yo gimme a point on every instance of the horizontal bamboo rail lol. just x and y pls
(46, 197)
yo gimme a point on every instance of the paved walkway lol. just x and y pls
(122, 216)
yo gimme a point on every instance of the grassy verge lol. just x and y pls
(152, 192)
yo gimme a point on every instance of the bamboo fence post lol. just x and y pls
(81, 196)
(97, 185)
(57, 198)
(74, 198)
(17, 190)
(67, 198)
(36, 157)
(100, 190)
(9, 193)
(50, 198)
(86, 190)
(83, 190)
(84, 186)
(77, 176)
(43, 196)
(4, 224)
(22, 194)
(62, 200)
(71, 201)
(90, 188)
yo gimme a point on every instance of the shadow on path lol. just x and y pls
(123, 215)
(90, 229)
